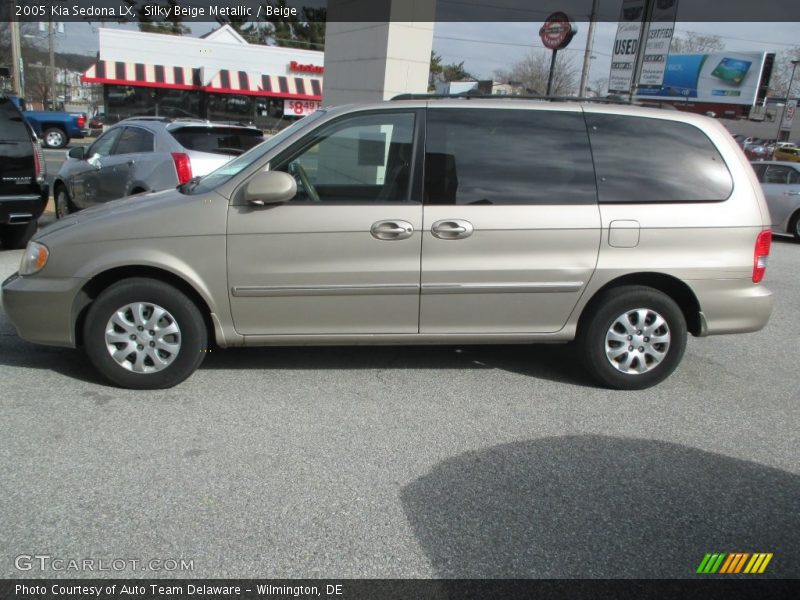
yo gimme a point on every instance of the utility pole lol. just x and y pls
(51, 50)
(17, 79)
(587, 54)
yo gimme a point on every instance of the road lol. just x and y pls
(408, 462)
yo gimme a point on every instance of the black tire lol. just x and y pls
(63, 202)
(193, 334)
(16, 237)
(55, 138)
(608, 309)
(794, 226)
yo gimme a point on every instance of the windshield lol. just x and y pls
(240, 163)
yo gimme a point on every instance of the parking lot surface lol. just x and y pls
(408, 462)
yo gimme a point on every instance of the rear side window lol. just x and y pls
(780, 174)
(653, 160)
(12, 126)
(218, 140)
(498, 156)
(134, 140)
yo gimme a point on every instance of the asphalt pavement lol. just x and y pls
(410, 462)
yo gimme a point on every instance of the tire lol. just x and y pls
(64, 205)
(55, 138)
(612, 328)
(16, 237)
(794, 226)
(179, 353)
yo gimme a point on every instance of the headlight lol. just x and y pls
(34, 259)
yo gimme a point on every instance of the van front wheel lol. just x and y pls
(144, 334)
(633, 338)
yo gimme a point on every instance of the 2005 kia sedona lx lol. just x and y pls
(415, 222)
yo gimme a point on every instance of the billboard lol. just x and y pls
(721, 77)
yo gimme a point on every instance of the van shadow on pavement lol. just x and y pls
(592, 506)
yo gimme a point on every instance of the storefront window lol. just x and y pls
(124, 101)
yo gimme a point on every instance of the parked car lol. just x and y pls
(756, 151)
(23, 191)
(54, 128)
(781, 184)
(145, 155)
(97, 121)
(787, 153)
(422, 221)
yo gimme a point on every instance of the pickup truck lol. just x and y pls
(55, 129)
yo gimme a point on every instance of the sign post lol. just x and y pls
(556, 33)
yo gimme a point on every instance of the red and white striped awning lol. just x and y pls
(140, 74)
(187, 78)
(258, 84)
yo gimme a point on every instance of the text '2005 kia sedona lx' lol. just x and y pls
(415, 222)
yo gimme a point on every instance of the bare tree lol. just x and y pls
(692, 42)
(532, 72)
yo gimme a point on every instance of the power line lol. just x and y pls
(460, 39)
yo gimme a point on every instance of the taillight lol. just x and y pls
(183, 166)
(763, 242)
(38, 162)
(81, 121)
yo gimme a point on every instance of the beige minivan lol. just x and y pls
(435, 221)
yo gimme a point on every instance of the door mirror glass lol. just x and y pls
(78, 152)
(270, 187)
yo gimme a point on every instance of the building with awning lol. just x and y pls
(219, 77)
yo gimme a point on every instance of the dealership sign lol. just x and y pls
(299, 108)
(788, 115)
(626, 45)
(721, 77)
(658, 39)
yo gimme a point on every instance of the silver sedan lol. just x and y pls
(781, 184)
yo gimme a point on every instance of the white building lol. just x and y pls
(219, 76)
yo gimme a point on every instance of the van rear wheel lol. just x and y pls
(633, 338)
(144, 334)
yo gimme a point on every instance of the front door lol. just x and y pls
(90, 177)
(343, 257)
(511, 222)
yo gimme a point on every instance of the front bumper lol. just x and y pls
(43, 309)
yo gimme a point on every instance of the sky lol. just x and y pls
(486, 47)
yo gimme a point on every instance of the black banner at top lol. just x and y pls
(382, 10)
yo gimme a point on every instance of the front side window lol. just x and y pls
(102, 147)
(360, 159)
(134, 140)
(641, 159)
(501, 156)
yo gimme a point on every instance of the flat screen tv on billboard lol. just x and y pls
(721, 77)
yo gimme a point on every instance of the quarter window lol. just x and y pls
(500, 156)
(640, 159)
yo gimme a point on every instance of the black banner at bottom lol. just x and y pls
(389, 589)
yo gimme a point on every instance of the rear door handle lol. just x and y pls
(452, 229)
(796, 193)
(391, 230)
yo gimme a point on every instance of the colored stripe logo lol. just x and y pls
(731, 563)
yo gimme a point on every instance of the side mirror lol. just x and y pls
(270, 187)
(78, 152)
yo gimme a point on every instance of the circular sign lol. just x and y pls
(557, 32)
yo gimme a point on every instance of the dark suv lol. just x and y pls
(23, 191)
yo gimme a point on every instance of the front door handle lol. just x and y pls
(391, 230)
(452, 229)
